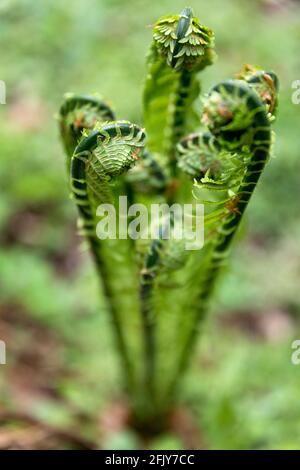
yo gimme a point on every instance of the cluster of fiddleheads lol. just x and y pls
(216, 157)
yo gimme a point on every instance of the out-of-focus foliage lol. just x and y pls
(242, 388)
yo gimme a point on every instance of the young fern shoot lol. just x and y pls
(181, 48)
(240, 125)
(98, 155)
(157, 291)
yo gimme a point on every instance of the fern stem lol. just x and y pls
(78, 168)
(148, 275)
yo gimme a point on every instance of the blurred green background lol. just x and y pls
(62, 372)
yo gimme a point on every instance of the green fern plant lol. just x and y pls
(157, 292)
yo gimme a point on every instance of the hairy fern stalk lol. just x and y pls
(156, 291)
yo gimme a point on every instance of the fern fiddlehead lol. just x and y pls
(98, 160)
(103, 155)
(77, 113)
(240, 126)
(181, 48)
(148, 176)
(197, 155)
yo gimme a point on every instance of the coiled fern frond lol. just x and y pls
(99, 155)
(233, 155)
(184, 41)
(181, 47)
(80, 112)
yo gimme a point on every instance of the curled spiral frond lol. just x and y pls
(103, 155)
(148, 176)
(239, 121)
(184, 41)
(80, 112)
(181, 47)
(264, 83)
(107, 152)
(116, 146)
(197, 156)
(236, 116)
